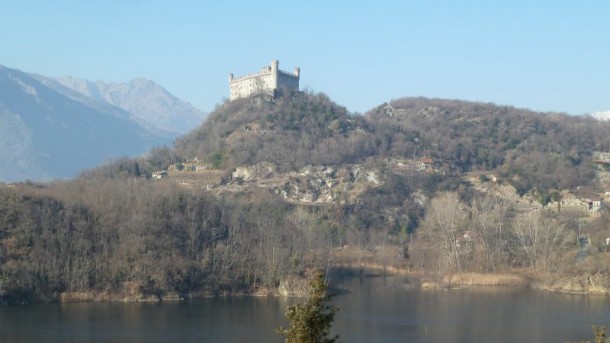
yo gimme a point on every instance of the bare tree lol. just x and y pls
(445, 220)
(490, 231)
(541, 239)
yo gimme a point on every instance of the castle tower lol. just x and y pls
(266, 81)
(275, 69)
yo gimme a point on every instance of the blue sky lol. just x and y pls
(542, 55)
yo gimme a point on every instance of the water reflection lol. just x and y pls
(374, 310)
(208, 320)
(389, 312)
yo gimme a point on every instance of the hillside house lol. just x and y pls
(159, 174)
(592, 202)
(429, 164)
(597, 205)
(589, 198)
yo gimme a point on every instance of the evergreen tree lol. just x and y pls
(600, 334)
(311, 321)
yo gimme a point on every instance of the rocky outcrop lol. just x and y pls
(311, 184)
(322, 184)
(257, 172)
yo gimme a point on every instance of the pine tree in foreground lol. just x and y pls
(600, 334)
(311, 321)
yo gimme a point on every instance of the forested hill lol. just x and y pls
(294, 130)
(532, 149)
(268, 187)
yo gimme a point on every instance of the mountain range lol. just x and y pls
(55, 127)
(146, 102)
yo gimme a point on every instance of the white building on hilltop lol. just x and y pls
(266, 81)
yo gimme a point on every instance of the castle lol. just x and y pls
(266, 81)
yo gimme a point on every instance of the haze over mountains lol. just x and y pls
(145, 101)
(54, 128)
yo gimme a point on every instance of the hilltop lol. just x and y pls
(291, 131)
(534, 152)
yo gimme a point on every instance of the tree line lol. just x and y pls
(134, 236)
(492, 235)
(137, 237)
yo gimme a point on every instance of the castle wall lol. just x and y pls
(252, 85)
(287, 80)
(266, 81)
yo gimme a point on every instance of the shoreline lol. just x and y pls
(587, 283)
(295, 286)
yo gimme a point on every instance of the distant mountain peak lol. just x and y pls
(145, 100)
(603, 116)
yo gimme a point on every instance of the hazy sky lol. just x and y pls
(542, 55)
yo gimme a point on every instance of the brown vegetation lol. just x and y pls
(478, 279)
(113, 230)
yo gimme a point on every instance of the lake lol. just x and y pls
(373, 310)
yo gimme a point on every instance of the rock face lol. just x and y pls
(320, 184)
(259, 171)
(311, 184)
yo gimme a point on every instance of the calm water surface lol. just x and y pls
(375, 310)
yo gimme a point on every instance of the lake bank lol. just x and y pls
(587, 283)
(297, 286)
(583, 283)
